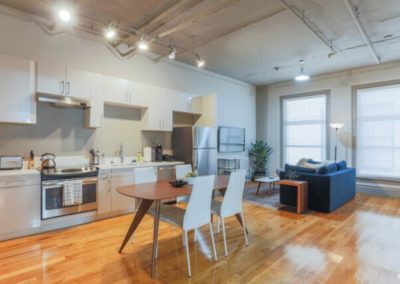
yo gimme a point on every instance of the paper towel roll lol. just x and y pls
(147, 154)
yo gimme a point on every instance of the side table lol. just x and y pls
(302, 193)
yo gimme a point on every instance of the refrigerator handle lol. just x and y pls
(196, 160)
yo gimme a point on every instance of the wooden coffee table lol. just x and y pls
(270, 180)
(302, 192)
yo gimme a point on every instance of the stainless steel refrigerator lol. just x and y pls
(196, 145)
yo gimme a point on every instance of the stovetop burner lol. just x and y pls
(64, 173)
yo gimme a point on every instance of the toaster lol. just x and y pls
(10, 162)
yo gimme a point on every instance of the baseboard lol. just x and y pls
(386, 190)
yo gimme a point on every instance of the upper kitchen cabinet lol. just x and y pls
(115, 90)
(17, 90)
(61, 80)
(93, 117)
(158, 116)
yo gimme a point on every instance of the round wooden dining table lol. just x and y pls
(155, 192)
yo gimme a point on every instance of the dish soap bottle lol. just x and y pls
(139, 157)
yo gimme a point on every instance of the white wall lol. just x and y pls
(235, 100)
(340, 85)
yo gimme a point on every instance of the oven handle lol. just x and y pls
(61, 183)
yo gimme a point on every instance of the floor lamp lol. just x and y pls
(336, 126)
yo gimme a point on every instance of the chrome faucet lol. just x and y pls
(121, 152)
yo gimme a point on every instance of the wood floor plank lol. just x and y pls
(358, 243)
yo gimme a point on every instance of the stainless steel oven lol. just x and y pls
(52, 192)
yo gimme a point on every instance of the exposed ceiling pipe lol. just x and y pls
(327, 42)
(186, 23)
(356, 18)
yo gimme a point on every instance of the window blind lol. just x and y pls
(304, 128)
(378, 132)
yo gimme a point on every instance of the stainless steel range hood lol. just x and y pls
(63, 101)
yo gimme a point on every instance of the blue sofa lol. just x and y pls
(326, 192)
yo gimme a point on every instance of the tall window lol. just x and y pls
(378, 131)
(304, 132)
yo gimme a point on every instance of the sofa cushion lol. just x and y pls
(327, 169)
(341, 165)
(302, 161)
(297, 169)
(315, 166)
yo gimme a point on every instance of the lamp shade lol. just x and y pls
(336, 125)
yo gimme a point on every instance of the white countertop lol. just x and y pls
(21, 172)
(110, 166)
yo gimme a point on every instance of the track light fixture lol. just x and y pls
(302, 76)
(200, 62)
(172, 52)
(110, 32)
(143, 44)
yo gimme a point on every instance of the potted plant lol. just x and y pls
(259, 153)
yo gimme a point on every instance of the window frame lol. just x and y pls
(327, 93)
(354, 90)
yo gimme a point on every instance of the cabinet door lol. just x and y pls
(20, 209)
(138, 94)
(119, 201)
(17, 90)
(51, 78)
(115, 90)
(77, 83)
(94, 116)
(104, 191)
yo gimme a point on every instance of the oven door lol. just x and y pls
(52, 194)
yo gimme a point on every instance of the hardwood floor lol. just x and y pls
(358, 243)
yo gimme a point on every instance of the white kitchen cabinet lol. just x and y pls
(60, 80)
(158, 117)
(115, 90)
(104, 192)
(121, 177)
(17, 90)
(93, 117)
(19, 203)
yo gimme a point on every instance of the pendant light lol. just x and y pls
(302, 76)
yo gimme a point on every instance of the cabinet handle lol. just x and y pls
(67, 88)
(62, 87)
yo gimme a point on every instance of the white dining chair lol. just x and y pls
(180, 172)
(196, 214)
(143, 175)
(231, 204)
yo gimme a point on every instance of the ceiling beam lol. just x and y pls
(187, 23)
(327, 42)
(356, 18)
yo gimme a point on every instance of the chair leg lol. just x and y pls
(224, 236)
(187, 252)
(213, 243)
(218, 225)
(244, 229)
(195, 235)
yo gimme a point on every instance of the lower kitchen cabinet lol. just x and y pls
(104, 192)
(121, 177)
(19, 204)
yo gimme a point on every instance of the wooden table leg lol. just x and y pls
(155, 237)
(144, 206)
(258, 187)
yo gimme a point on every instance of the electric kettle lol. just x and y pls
(48, 161)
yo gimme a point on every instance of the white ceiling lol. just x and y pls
(256, 41)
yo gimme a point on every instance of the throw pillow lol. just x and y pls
(314, 166)
(327, 169)
(301, 162)
(290, 168)
(341, 165)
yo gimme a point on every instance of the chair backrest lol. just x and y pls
(232, 203)
(182, 170)
(198, 211)
(143, 175)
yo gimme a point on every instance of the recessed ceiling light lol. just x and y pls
(64, 15)
(302, 75)
(172, 52)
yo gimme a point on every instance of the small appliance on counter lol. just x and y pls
(147, 154)
(48, 161)
(159, 153)
(10, 162)
(94, 157)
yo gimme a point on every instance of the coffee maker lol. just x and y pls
(159, 153)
